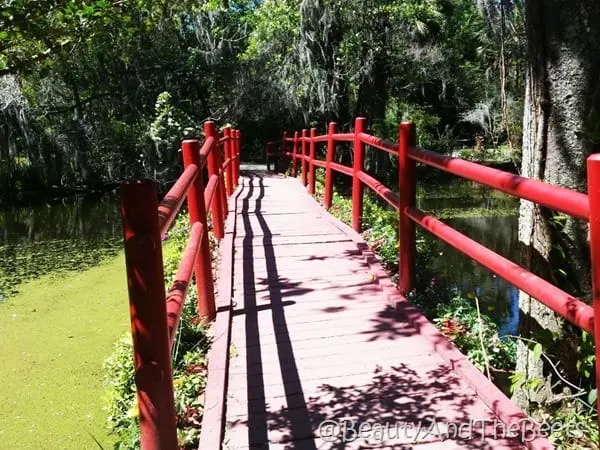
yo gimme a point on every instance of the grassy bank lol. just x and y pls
(55, 334)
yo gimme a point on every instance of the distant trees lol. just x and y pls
(89, 75)
(431, 60)
(335, 60)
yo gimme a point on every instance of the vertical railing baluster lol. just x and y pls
(328, 171)
(304, 154)
(407, 191)
(295, 155)
(228, 147)
(593, 181)
(238, 157)
(233, 156)
(212, 162)
(359, 166)
(220, 150)
(197, 210)
(282, 157)
(238, 147)
(145, 280)
(311, 162)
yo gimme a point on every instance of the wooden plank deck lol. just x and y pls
(315, 338)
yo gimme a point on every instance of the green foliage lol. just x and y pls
(275, 22)
(458, 320)
(121, 401)
(587, 358)
(168, 129)
(342, 208)
(381, 232)
(84, 110)
(572, 418)
(426, 122)
(420, 60)
(579, 428)
(188, 360)
(87, 103)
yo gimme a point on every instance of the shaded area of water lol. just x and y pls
(70, 234)
(491, 220)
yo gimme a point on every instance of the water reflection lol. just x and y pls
(53, 237)
(72, 234)
(479, 199)
(498, 299)
(79, 217)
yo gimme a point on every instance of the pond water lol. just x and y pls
(492, 220)
(77, 232)
(68, 234)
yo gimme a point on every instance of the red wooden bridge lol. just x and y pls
(314, 346)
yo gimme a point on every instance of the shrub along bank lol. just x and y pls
(188, 359)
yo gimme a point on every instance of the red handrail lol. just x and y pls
(170, 205)
(576, 204)
(154, 315)
(561, 199)
(571, 308)
(176, 295)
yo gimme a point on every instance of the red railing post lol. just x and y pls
(222, 178)
(295, 155)
(407, 192)
(593, 181)
(282, 156)
(328, 170)
(311, 166)
(238, 158)
(145, 279)
(359, 165)
(238, 135)
(228, 146)
(197, 209)
(304, 154)
(233, 157)
(212, 162)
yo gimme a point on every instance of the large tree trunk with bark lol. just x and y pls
(559, 124)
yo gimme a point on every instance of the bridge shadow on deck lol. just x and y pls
(257, 425)
(351, 359)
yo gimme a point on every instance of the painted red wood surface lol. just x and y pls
(317, 336)
(154, 318)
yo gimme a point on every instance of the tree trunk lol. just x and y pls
(561, 106)
(80, 139)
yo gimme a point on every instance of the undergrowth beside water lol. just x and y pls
(188, 360)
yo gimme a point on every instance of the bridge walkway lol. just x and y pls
(320, 344)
